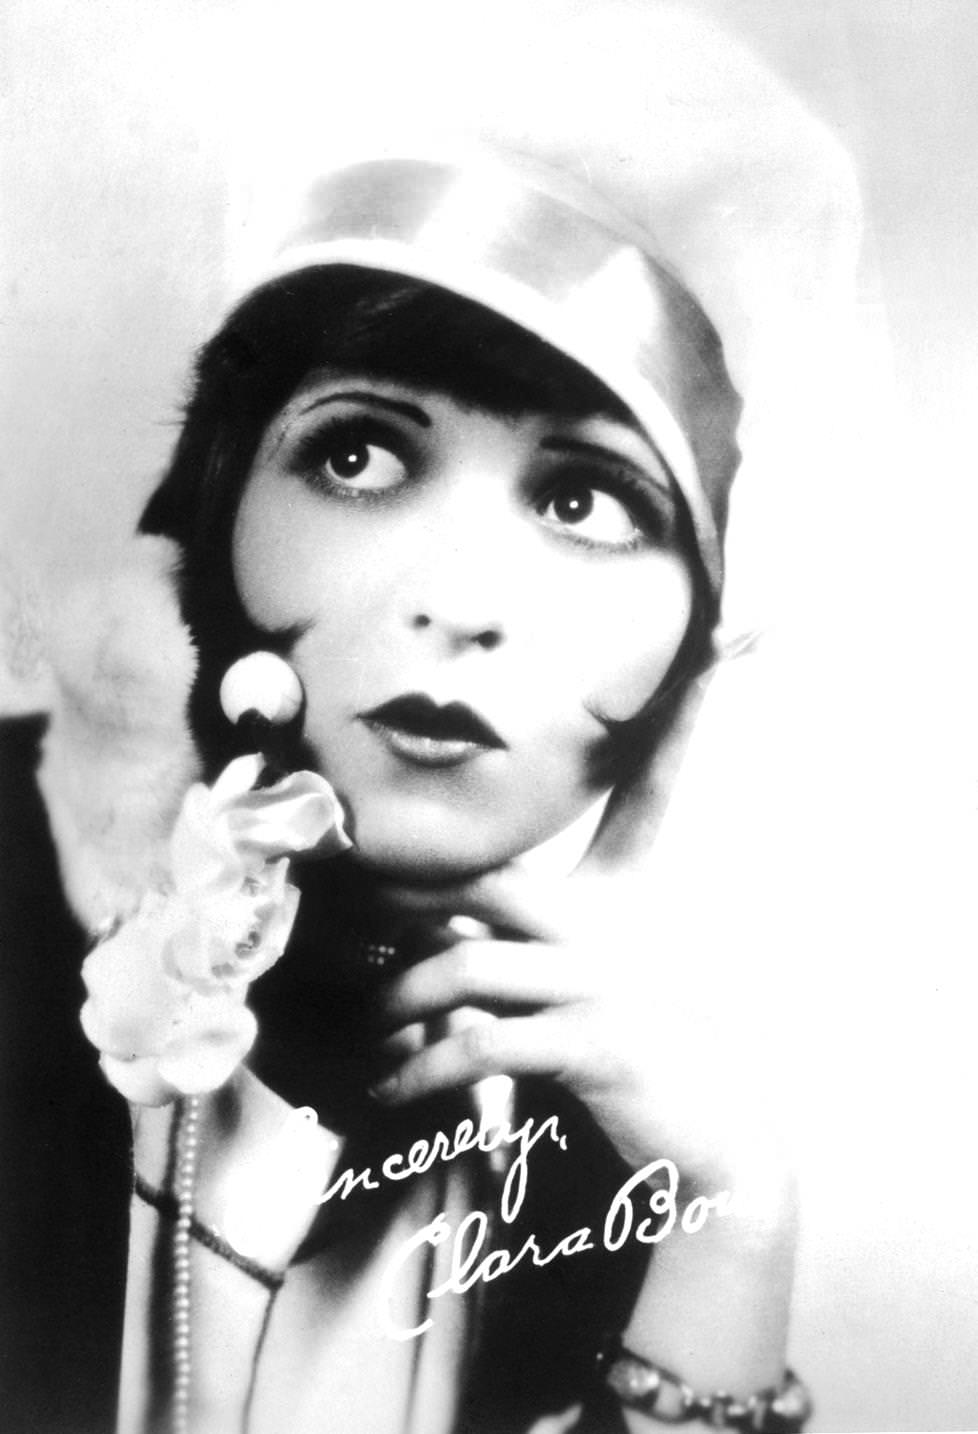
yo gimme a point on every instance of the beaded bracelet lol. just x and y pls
(662, 1395)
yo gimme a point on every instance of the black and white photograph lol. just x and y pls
(488, 716)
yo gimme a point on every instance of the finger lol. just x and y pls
(521, 1045)
(402, 1043)
(487, 974)
(507, 899)
(408, 1040)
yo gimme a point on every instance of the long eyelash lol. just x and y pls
(312, 450)
(655, 514)
(598, 545)
(317, 446)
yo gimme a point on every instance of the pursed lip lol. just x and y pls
(422, 730)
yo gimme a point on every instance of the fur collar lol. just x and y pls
(109, 658)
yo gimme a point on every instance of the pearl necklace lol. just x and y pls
(188, 1149)
(374, 954)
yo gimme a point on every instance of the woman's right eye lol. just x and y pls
(356, 463)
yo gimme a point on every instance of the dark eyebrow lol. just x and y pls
(608, 455)
(357, 395)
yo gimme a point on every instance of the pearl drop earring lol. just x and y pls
(263, 686)
(262, 696)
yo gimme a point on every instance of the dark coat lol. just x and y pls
(64, 1141)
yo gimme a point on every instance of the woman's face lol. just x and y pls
(475, 593)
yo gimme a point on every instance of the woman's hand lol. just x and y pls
(583, 988)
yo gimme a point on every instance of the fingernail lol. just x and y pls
(384, 1089)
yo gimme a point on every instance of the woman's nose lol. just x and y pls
(459, 594)
(460, 631)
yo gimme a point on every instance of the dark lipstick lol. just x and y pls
(420, 730)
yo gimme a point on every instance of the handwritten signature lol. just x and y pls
(469, 1266)
(423, 1154)
(657, 1183)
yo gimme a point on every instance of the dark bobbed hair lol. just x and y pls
(390, 327)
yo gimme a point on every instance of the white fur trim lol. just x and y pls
(118, 755)
(25, 682)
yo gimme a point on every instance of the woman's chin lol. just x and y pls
(443, 841)
(429, 852)
(426, 863)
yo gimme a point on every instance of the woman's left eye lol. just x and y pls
(353, 462)
(591, 514)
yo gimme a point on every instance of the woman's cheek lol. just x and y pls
(290, 560)
(632, 646)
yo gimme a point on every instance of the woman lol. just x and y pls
(470, 484)
(493, 587)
